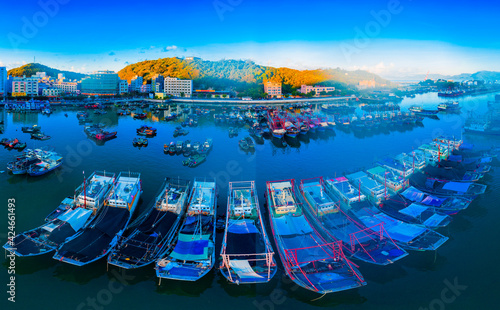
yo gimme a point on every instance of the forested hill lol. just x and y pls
(233, 73)
(32, 68)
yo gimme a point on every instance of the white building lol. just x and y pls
(67, 87)
(3, 81)
(305, 89)
(178, 88)
(136, 83)
(51, 92)
(122, 87)
(60, 77)
(23, 86)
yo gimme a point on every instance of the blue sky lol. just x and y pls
(391, 38)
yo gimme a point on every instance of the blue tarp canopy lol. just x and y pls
(191, 247)
(307, 248)
(242, 227)
(287, 225)
(413, 210)
(433, 201)
(455, 158)
(413, 194)
(76, 218)
(435, 220)
(457, 186)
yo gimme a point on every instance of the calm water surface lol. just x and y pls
(469, 258)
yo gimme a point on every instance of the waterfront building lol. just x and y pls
(3, 81)
(305, 89)
(145, 88)
(102, 83)
(67, 87)
(136, 83)
(23, 86)
(366, 84)
(51, 92)
(123, 87)
(157, 83)
(272, 89)
(178, 88)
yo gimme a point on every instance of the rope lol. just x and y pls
(318, 297)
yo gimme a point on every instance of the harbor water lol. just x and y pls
(462, 274)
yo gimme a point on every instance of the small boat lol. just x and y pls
(146, 131)
(246, 255)
(140, 142)
(72, 215)
(40, 136)
(359, 241)
(105, 135)
(421, 111)
(206, 146)
(178, 147)
(31, 129)
(155, 229)
(195, 160)
(180, 132)
(46, 164)
(450, 106)
(186, 145)
(140, 116)
(21, 164)
(233, 132)
(101, 235)
(244, 145)
(447, 188)
(309, 260)
(440, 204)
(192, 254)
(172, 148)
(250, 143)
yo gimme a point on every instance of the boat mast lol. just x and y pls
(84, 191)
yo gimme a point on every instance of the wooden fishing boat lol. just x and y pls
(246, 255)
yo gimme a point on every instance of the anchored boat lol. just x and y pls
(72, 215)
(247, 255)
(193, 253)
(309, 260)
(364, 243)
(97, 239)
(155, 229)
(354, 203)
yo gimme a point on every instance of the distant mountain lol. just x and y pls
(233, 73)
(481, 75)
(32, 68)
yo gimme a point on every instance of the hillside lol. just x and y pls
(237, 73)
(32, 68)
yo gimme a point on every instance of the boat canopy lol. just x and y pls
(413, 194)
(242, 227)
(288, 225)
(191, 248)
(76, 218)
(457, 186)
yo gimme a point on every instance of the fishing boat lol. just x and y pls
(246, 255)
(195, 160)
(373, 189)
(389, 178)
(415, 160)
(102, 234)
(447, 188)
(155, 229)
(355, 204)
(45, 165)
(193, 253)
(452, 174)
(40, 136)
(178, 147)
(206, 147)
(172, 149)
(105, 135)
(435, 150)
(367, 244)
(309, 260)
(291, 130)
(250, 143)
(449, 106)
(140, 116)
(421, 111)
(397, 167)
(244, 145)
(72, 215)
(31, 129)
(275, 124)
(440, 204)
(146, 131)
(21, 163)
(233, 132)
(140, 142)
